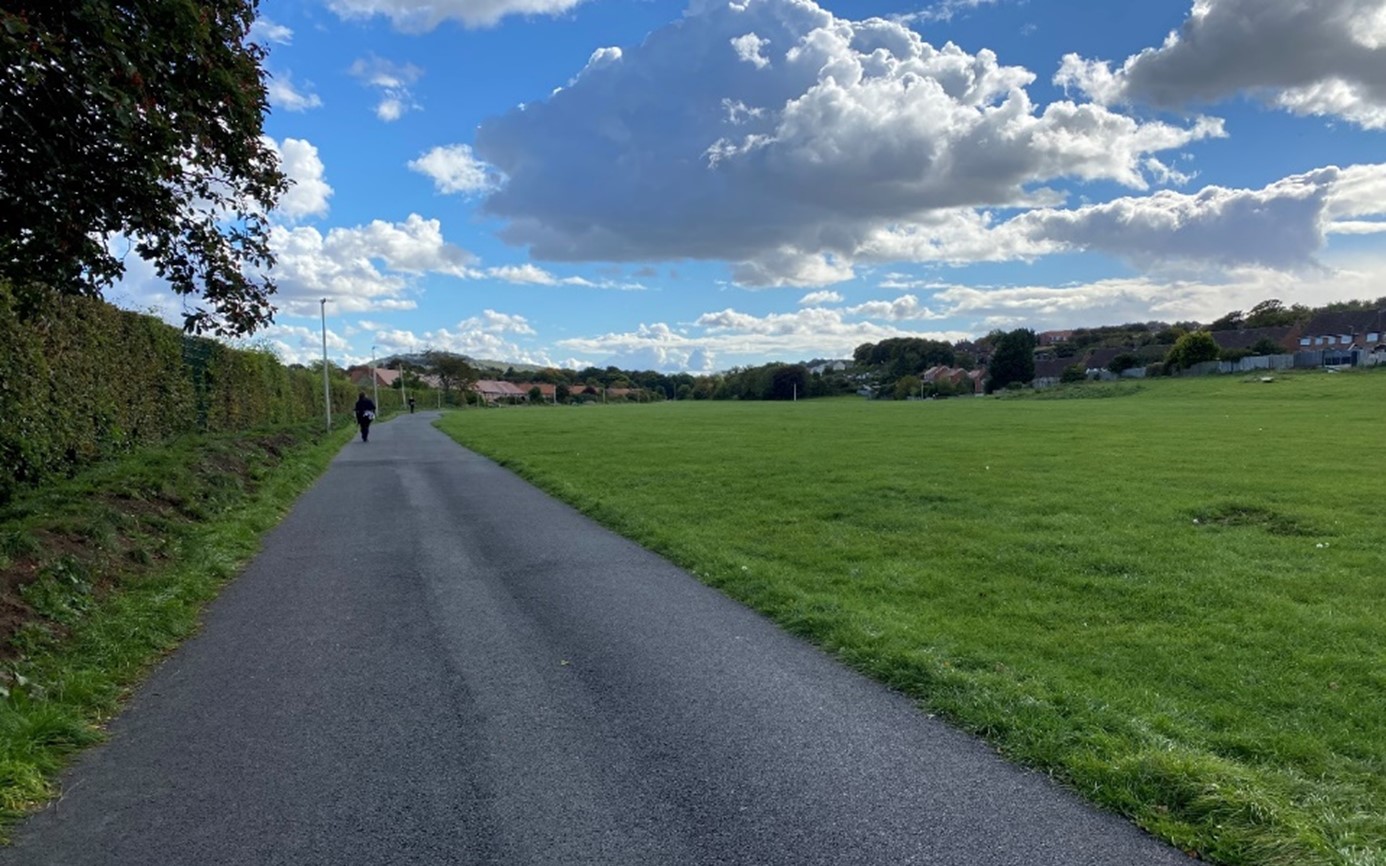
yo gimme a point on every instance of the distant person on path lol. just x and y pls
(411, 405)
(365, 414)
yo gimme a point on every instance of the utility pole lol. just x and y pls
(326, 388)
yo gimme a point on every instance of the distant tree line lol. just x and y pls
(895, 367)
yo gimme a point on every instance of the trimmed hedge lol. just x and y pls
(81, 380)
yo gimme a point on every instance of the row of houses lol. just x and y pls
(1350, 331)
(1360, 330)
(1350, 338)
(494, 391)
(974, 380)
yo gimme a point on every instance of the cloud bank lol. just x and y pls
(775, 135)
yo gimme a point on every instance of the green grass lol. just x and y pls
(1174, 599)
(106, 572)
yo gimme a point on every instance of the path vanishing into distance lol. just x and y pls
(431, 661)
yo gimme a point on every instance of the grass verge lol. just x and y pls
(1172, 601)
(102, 574)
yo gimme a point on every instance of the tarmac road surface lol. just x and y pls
(433, 662)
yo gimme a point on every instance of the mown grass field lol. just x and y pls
(1173, 599)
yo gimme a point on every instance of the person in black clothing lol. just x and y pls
(411, 405)
(365, 414)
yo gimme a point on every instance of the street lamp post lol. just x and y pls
(375, 382)
(326, 388)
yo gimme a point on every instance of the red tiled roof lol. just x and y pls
(494, 388)
(1247, 338)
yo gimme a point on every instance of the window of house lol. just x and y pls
(1321, 340)
(1373, 337)
(1305, 341)
(1345, 339)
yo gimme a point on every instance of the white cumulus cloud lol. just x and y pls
(903, 309)
(283, 94)
(298, 344)
(264, 30)
(533, 275)
(489, 336)
(1323, 58)
(453, 168)
(734, 335)
(684, 149)
(1143, 298)
(369, 267)
(748, 47)
(1281, 225)
(309, 193)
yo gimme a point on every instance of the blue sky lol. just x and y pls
(691, 186)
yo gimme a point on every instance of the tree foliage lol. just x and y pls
(453, 371)
(1233, 321)
(1273, 314)
(1013, 359)
(1194, 348)
(902, 356)
(1270, 313)
(138, 122)
(789, 382)
(1123, 362)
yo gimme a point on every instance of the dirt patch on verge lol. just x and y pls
(69, 545)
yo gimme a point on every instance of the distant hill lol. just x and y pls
(481, 365)
(502, 366)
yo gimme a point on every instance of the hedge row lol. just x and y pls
(81, 380)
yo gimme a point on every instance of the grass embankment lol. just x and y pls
(1174, 600)
(103, 573)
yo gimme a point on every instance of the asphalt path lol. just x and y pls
(431, 661)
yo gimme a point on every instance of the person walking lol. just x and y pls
(365, 414)
(411, 405)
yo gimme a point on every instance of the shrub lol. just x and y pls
(1073, 373)
(1123, 362)
(906, 387)
(1193, 348)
